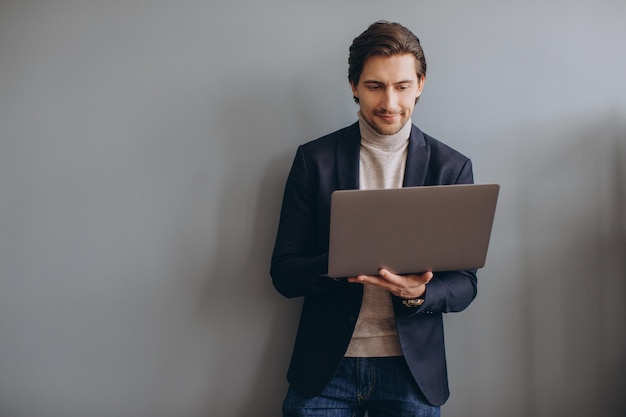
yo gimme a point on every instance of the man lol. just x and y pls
(368, 343)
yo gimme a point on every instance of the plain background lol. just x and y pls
(144, 147)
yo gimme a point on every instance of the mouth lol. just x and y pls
(389, 117)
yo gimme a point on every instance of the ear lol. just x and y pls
(355, 93)
(420, 86)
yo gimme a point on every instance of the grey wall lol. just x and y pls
(144, 146)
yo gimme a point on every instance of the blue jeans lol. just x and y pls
(384, 387)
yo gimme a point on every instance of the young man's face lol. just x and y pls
(387, 91)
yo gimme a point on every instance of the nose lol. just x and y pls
(389, 100)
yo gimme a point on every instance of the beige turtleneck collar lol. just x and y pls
(383, 157)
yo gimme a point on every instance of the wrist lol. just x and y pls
(416, 301)
(420, 291)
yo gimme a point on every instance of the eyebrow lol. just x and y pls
(382, 83)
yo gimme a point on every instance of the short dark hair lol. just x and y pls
(386, 39)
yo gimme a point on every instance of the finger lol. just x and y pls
(371, 280)
(426, 276)
(358, 278)
(419, 279)
(364, 279)
(390, 276)
(396, 279)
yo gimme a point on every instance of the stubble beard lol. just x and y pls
(387, 129)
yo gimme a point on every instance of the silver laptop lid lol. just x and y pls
(410, 230)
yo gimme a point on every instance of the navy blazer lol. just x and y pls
(330, 309)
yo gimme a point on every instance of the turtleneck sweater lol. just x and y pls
(382, 164)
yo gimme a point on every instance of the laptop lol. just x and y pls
(410, 230)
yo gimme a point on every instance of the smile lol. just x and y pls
(389, 117)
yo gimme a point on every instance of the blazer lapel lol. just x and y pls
(348, 151)
(417, 159)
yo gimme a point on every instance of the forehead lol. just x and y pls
(390, 69)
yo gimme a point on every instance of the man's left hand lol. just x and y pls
(403, 286)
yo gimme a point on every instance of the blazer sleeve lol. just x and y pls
(297, 266)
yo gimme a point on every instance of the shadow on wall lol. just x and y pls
(613, 303)
(574, 242)
(250, 321)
